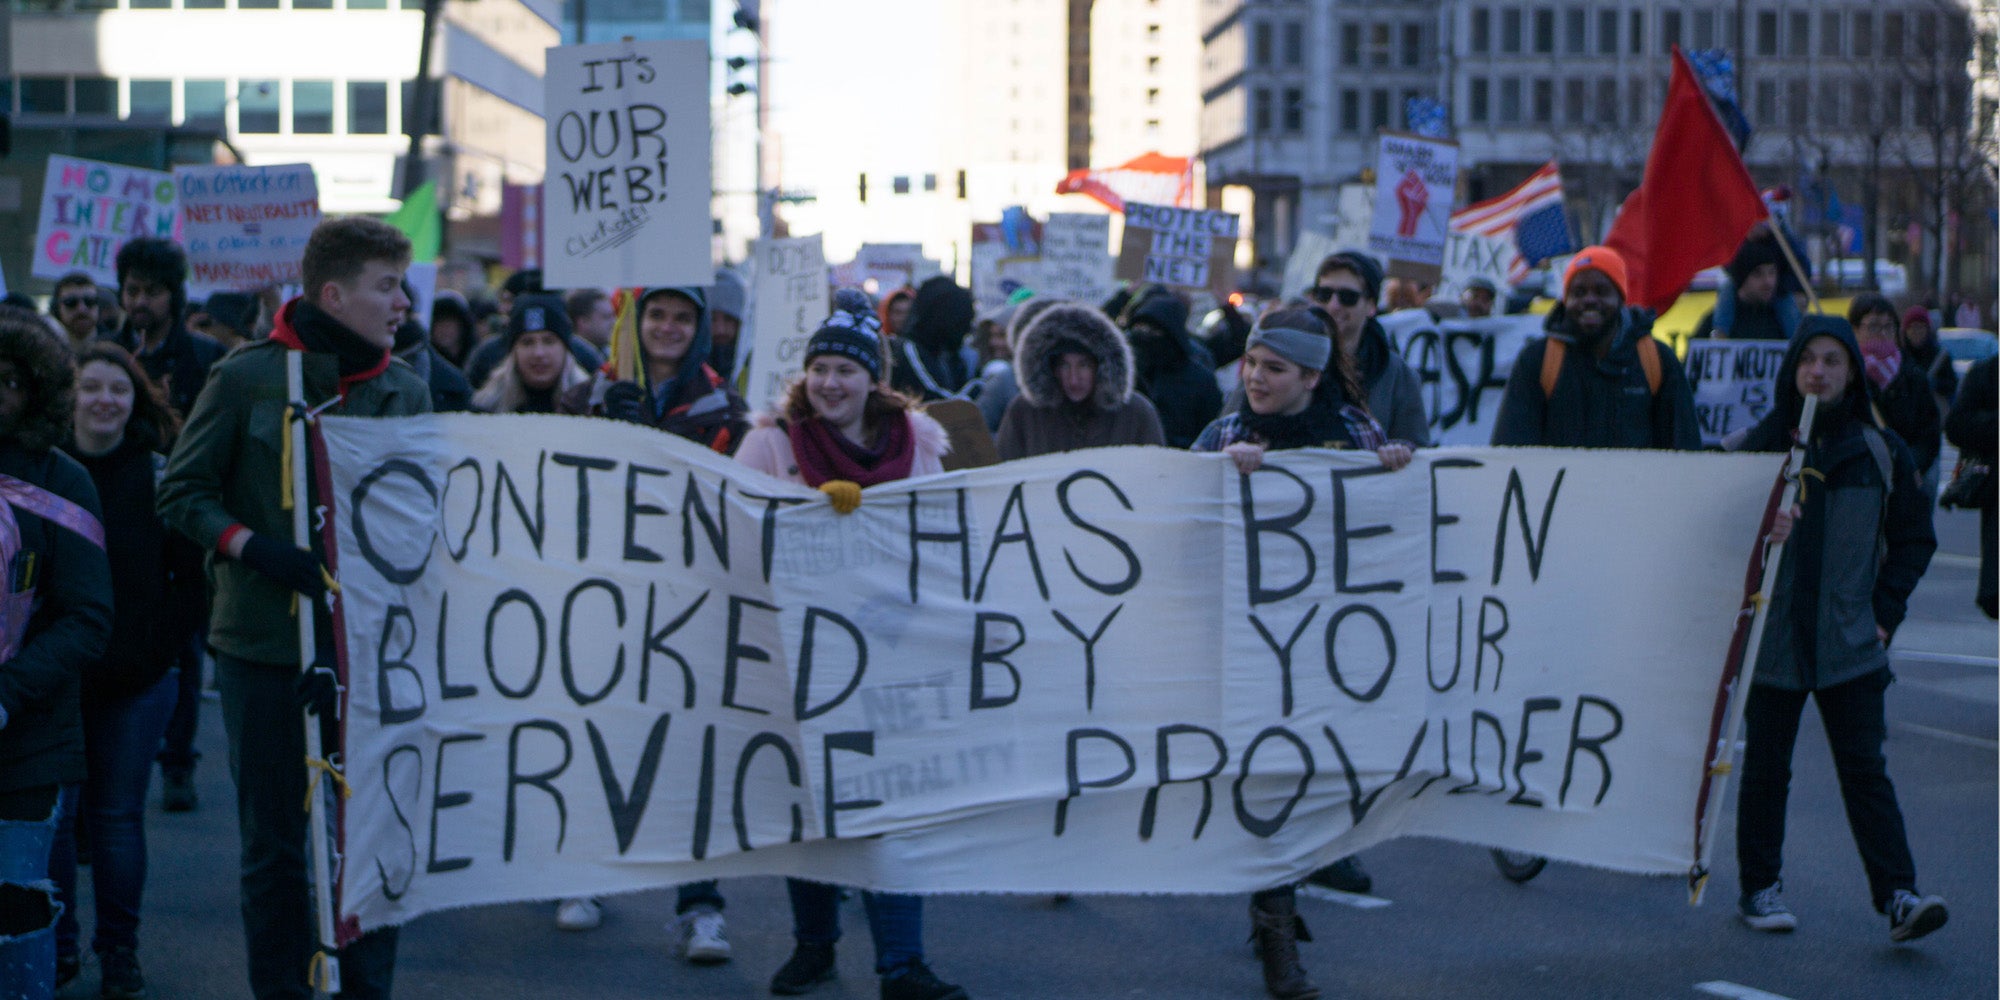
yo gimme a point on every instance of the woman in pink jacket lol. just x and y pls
(838, 429)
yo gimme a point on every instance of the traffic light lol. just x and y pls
(864, 189)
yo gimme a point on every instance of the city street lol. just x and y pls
(1445, 923)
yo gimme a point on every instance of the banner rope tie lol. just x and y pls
(318, 972)
(1804, 473)
(285, 461)
(315, 766)
(1721, 768)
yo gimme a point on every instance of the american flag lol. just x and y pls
(1532, 212)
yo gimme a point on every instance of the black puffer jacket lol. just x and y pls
(1909, 409)
(154, 572)
(1597, 402)
(925, 362)
(1173, 371)
(180, 365)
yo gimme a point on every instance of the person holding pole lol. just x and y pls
(1837, 602)
(229, 487)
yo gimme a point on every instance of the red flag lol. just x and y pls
(1695, 204)
(1151, 178)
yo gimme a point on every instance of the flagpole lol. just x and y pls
(1812, 298)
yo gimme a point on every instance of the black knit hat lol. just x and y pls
(538, 312)
(852, 332)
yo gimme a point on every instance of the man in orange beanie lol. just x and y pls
(1598, 379)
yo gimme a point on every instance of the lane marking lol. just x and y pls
(1354, 899)
(1955, 659)
(1734, 991)
(1949, 737)
(1954, 559)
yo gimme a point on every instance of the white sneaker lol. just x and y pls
(702, 937)
(580, 914)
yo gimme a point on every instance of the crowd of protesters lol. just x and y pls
(142, 434)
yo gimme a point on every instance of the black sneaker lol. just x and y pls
(121, 979)
(1912, 916)
(177, 792)
(809, 966)
(1345, 875)
(916, 981)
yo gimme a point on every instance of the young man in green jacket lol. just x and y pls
(224, 489)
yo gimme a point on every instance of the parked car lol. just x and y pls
(1966, 345)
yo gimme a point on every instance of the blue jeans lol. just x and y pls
(27, 828)
(178, 753)
(120, 738)
(895, 920)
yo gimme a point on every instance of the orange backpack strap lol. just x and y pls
(1552, 362)
(1553, 351)
(1649, 359)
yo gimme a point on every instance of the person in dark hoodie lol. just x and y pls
(1857, 542)
(1346, 286)
(1173, 372)
(53, 625)
(453, 329)
(1075, 375)
(1606, 393)
(1974, 426)
(1900, 389)
(450, 392)
(925, 362)
(223, 490)
(1755, 302)
(121, 430)
(676, 389)
(152, 288)
(1921, 344)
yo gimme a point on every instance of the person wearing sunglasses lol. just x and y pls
(74, 305)
(1348, 285)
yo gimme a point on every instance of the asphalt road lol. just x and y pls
(1443, 923)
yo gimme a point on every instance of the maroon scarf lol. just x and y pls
(824, 454)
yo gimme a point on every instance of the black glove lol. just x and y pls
(317, 691)
(625, 401)
(291, 567)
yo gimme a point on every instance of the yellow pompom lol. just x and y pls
(845, 494)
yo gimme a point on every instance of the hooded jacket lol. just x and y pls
(1395, 393)
(696, 404)
(926, 363)
(1907, 407)
(1041, 419)
(1833, 587)
(1172, 371)
(181, 363)
(1598, 402)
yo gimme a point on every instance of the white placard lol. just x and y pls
(626, 199)
(1463, 365)
(245, 228)
(788, 296)
(1733, 382)
(90, 209)
(1076, 258)
(1415, 181)
(1122, 670)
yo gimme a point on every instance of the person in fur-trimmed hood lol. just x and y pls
(1075, 375)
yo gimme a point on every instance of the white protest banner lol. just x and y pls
(1415, 181)
(584, 657)
(788, 296)
(245, 228)
(1733, 382)
(892, 266)
(1076, 258)
(1463, 365)
(1183, 247)
(90, 209)
(626, 202)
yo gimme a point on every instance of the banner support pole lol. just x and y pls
(325, 967)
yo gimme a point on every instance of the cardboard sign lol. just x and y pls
(245, 228)
(1182, 247)
(1734, 383)
(1415, 181)
(1076, 258)
(91, 209)
(626, 200)
(585, 657)
(788, 301)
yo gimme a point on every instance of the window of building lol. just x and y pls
(1413, 45)
(1607, 102)
(1294, 47)
(48, 95)
(1703, 30)
(1924, 27)
(367, 108)
(150, 99)
(1350, 44)
(899, 185)
(930, 182)
(1635, 34)
(1510, 31)
(1826, 111)
(1923, 105)
(1153, 33)
(1543, 106)
(1295, 110)
(96, 95)
(1575, 20)
(1861, 103)
(1892, 103)
(1152, 64)
(1767, 102)
(258, 106)
(1798, 33)
(1607, 32)
(367, 4)
(1481, 41)
(1510, 101)
(1378, 109)
(312, 4)
(1478, 101)
(1545, 31)
(1576, 102)
(1795, 104)
(312, 107)
(1635, 102)
(1830, 35)
(1260, 111)
(257, 4)
(203, 103)
(1864, 34)
(202, 4)
(1380, 36)
(151, 4)
(1892, 34)
(1350, 111)
(1260, 44)
(1152, 96)
(1670, 30)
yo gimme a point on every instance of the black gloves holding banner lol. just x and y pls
(293, 568)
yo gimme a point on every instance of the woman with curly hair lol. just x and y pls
(55, 613)
(121, 431)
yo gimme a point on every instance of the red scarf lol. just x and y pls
(824, 454)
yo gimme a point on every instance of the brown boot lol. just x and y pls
(1276, 933)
